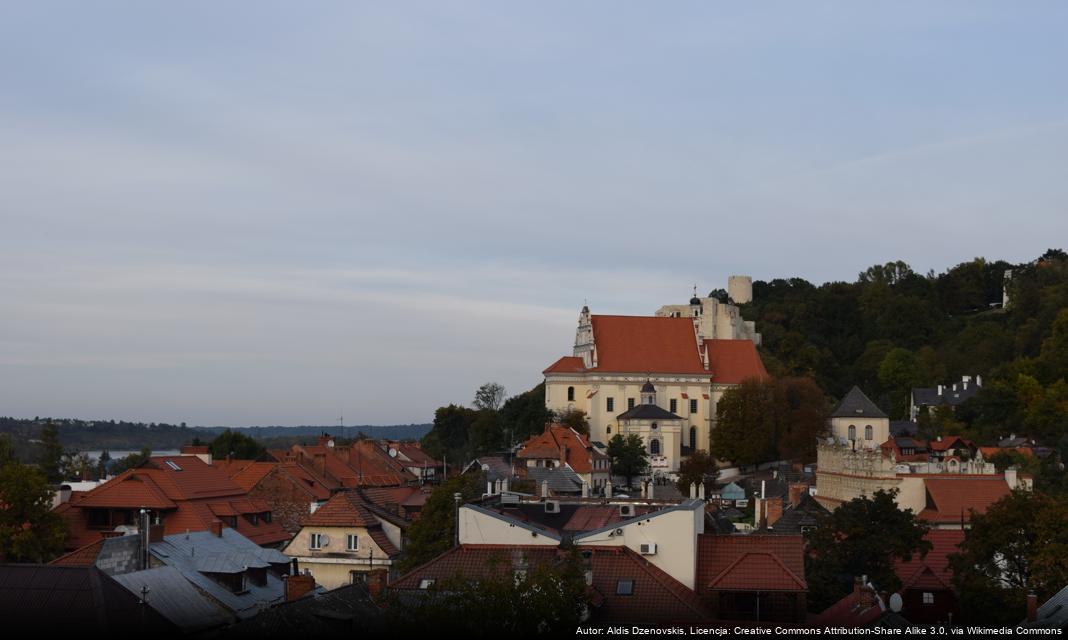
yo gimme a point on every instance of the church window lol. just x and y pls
(630, 403)
(654, 447)
(674, 405)
(693, 438)
(868, 432)
(609, 429)
(693, 405)
(852, 432)
(571, 394)
(653, 427)
(610, 404)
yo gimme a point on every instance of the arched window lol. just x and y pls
(571, 394)
(693, 438)
(609, 430)
(654, 447)
(852, 432)
(868, 433)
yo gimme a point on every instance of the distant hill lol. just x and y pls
(77, 434)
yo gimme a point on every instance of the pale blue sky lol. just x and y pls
(267, 213)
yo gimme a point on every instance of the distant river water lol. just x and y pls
(117, 454)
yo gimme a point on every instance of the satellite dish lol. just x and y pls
(895, 603)
(392, 452)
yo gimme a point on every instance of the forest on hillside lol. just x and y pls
(893, 329)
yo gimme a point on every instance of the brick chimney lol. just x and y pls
(320, 463)
(298, 585)
(376, 583)
(774, 511)
(216, 528)
(155, 533)
(797, 491)
(1032, 607)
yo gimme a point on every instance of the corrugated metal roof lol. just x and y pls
(175, 598)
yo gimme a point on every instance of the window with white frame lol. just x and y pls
(928, 597)
(353, 542)
(316, 541)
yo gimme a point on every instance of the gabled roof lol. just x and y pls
(857, 405)
(922, 397)
(567, 364)
(647, 412)
(81, 557)
(932, 570)
(347, 509)
(734, 361)
(952, 499)
(950, 442)
(175, 598)
(751, 562)
(656, 597)
(641, 344)
(551, 443)
(861, 607)
(133, 488)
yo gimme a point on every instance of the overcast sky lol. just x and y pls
(269, 213)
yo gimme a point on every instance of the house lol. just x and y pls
(864, 607)
(624, 589)
(951, 396)
(289, 490)
(800, 513)
(754, 577)
(182, 493)
(691, 354)
(415, 460)
(562, 446)
(858, 422)
(337, 467)
(167, 591)
(951, 500)
(75, 601)
(345, 539)
(732, 495)
(947, 447)
(927, 592)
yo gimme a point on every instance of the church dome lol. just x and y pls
(648, 387)
(695, 301)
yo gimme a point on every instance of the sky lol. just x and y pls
(267, 213)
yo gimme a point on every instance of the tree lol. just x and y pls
(899, 372)
(450, 435)
(29, 530)
(525, 415)
(1018, 546)
(102, 464)
(51, 457)
(629, 457)
(132, 461)
(236, 444)
(861, 537)
(745, 424)
(804, 412)
(576, 419)
(698, 468)
(489, 396)
(434, 531)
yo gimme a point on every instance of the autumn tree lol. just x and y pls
(698, 468)
(864, 536)
(761, 420)
(1019, 545)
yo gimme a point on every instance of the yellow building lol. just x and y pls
(614, 356)
(344, 539)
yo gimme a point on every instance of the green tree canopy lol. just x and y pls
(51, 457)
(433, 533)
(236, 444)
(698, 468)
(861, 537)
(629, 457)
(29, 530)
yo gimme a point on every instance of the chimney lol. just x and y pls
(1032, 607)
(939, 390)
(867, 594)
(797, 491)
(1011, 478)
(489, 487)
(774, 511)
(693, 490)
(216, 528)
(155, 533)
(649, 491)
(759, 512)
(376, 582)
(701, 491)
(320, 463)
(545, 488)
(585, 489)
(608, 489)
(978, 381)
(297, 586)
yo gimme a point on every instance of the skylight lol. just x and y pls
(173, 465)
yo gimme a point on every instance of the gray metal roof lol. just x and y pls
(903, 428)
(1053, 614)
(561, 479)
(184, 552)
(856, 404)
(171, 595)
(647, 412)
(922, 397)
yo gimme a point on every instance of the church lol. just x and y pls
(658, 376)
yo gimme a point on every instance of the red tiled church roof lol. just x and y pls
(734, 361)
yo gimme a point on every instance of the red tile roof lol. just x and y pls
(953, 498)
(751, 563)
(186, 495)
(931, 571)
(656, 597)
(734, 361)
(82, 557)
(950, 442)
(551, 442)
(347, 509)
(856, 609)
(567, 364)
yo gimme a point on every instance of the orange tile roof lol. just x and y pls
(551, 443)
(751, 562)
(567, 364)
(643, 344)
(252, 474)
(132, 488)
(954, 498)
(656, 597)
(347, 509)
(733, 361)
(948, 442)
(81, 557)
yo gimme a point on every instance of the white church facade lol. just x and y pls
(688, 360)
